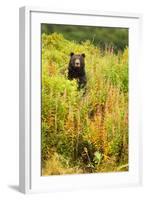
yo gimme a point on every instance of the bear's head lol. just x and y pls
(77, 60)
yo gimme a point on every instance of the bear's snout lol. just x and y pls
(77, 63)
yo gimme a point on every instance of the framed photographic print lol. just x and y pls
(79, 100)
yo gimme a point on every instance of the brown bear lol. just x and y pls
(76, 69)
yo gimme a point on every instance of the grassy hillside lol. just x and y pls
(83, 133)
(100, 36)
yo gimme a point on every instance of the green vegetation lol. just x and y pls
(83, 133)
(102, 37)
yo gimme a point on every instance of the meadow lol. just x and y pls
(83, 133)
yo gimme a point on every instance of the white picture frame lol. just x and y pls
(29, 161)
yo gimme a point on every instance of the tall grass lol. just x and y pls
(83, 133)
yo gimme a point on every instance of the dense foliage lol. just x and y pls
(99, 36)
(83, 133)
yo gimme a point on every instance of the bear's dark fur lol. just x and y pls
(76, 69)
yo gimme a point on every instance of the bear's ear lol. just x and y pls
(83, 55)
(71, 54)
